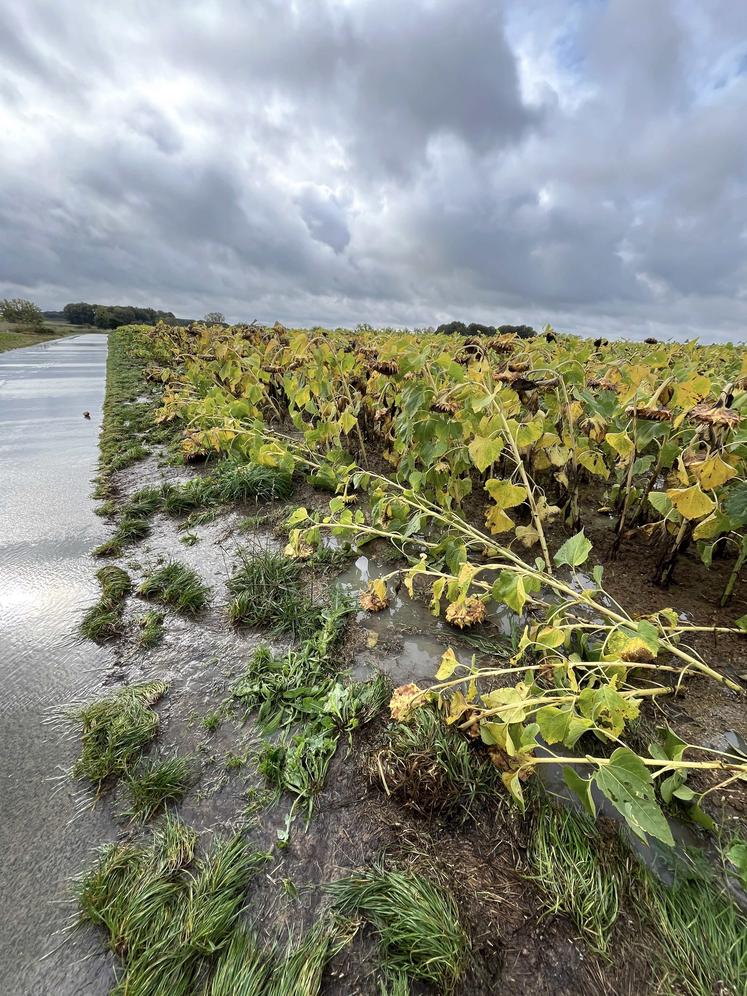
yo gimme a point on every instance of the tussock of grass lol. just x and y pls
(144, 503)
(435, 770)
(103, 621)
(154, 783)
(266, 591)
(177, 586)
(417, 923)
(565, 854)
(151, 628)
(700, 935)
(247, 969)
(167, 915)
(300, 689)
(115, 731)
(179, 499)
(131, 530)
(243, 482)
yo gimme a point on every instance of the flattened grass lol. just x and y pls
(167, 915)
(700, 934)
(151, 628)
(152, 784)
(178, 587)
(417, 923)
(565, 852)
(103, 621)
(115, 730)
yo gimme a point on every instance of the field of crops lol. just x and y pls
(554, 504)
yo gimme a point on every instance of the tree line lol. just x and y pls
(111, 316)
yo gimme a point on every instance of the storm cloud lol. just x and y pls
(341, 161)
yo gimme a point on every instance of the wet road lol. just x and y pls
(48, 455)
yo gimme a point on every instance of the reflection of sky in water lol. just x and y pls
(48, 456)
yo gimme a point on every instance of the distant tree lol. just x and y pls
(214, 318)
(18, 310)
(80, 313)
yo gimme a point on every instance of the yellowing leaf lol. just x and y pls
(497, 521)
(713, 472)
(527, 535)
(484, 450)
(505, 494)
(448, 665)
(594, 463)
(621, 444)
(690, 502)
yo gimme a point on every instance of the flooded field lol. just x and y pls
(48, 456)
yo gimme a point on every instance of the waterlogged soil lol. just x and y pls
(515, 947)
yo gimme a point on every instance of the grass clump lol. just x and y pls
(151, 628)
(566, 858)
(103, 621)
(115, 730)
(247, 969)
(417, 923)
(180, 499)
(177, 586)
(266, 591)
(435, 770)
(144, 503)
(131, 530)
(243, 482)
(166, 914)
(153, 784)
(700, 934)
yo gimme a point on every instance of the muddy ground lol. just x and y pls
(516, 947)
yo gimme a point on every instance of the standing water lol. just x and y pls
(48, 456)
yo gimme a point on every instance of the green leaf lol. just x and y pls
(661, 502)
(299, 515)
(574, 551)
(736, 504)
(513, 784)
(484, 450)
(581, 787)
(607, 709)
(512, 590)
(737, 856)
(741, 623)
(626, 782)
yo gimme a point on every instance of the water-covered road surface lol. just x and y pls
(48, 455)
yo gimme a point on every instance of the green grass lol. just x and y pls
(179, 499)
(566, 855)
(152, 784)
(144, 503)
(178, 587)
(266, 591)
(129, 428)
(151, 628)
(103, 621)
(167, 915)
(115, 730)
(130, 530)
(243, 482)
(10, 339)
(435, 770)
(248, 969)
(417, 923)
(697, 932)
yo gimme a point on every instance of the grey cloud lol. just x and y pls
(327, 161)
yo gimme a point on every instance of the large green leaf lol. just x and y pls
(626, 782)
(574, 552)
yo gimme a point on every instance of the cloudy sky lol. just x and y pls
(578, 162)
